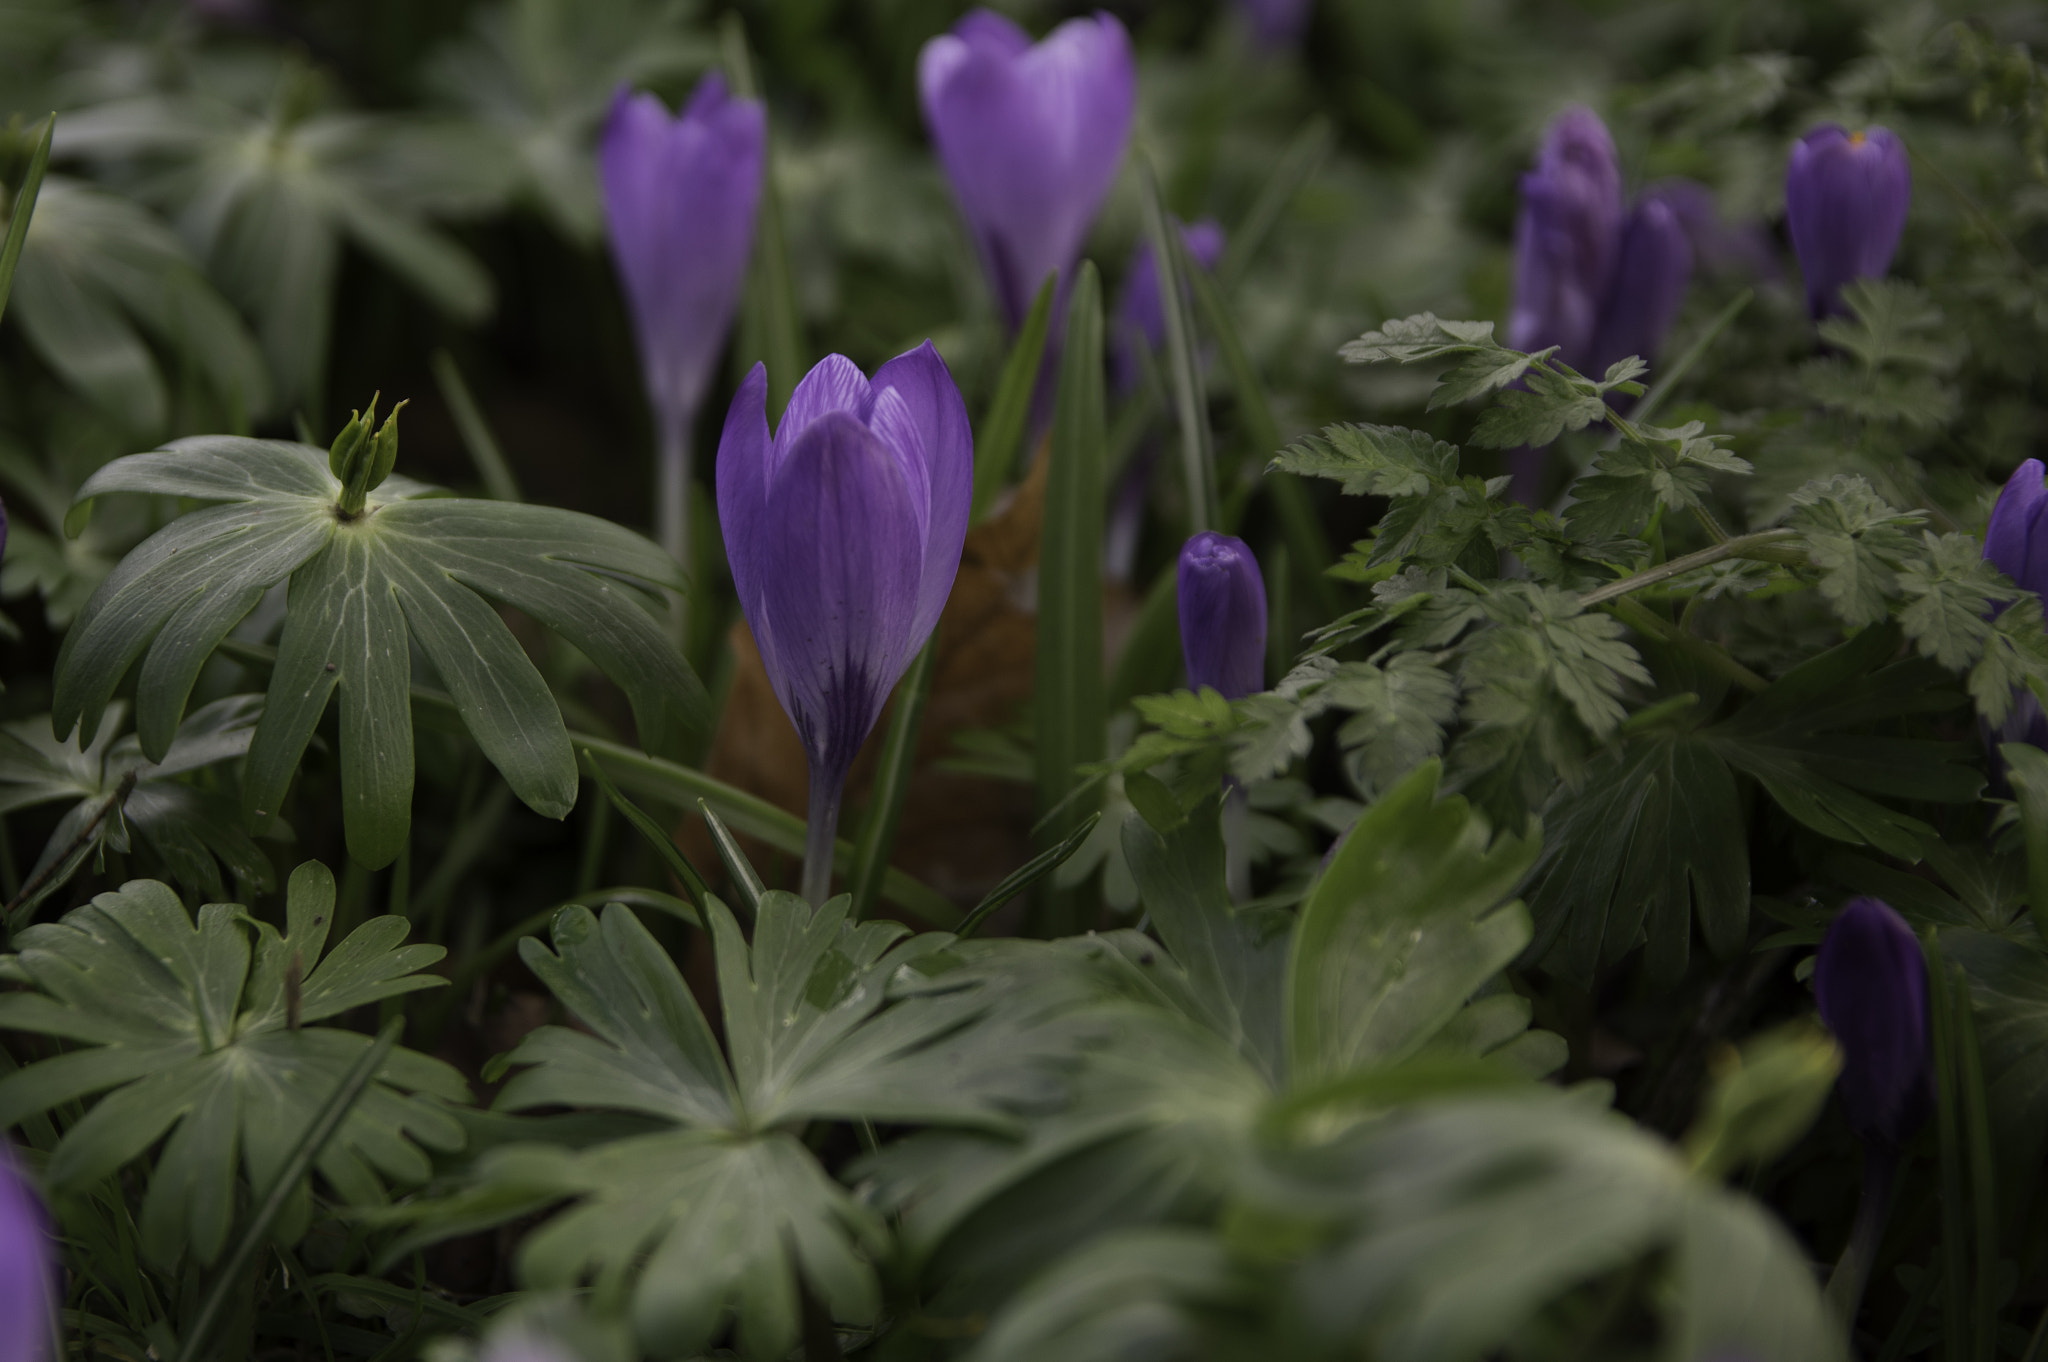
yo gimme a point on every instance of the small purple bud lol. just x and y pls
(1567, 238)
(2016, 542)
(1846, 196)
(680, 196)
(1276, 24)
(844, 533)
(1870, 980)
(1031, 137)
(28, 1268)
(1140, 315)
(1648, 287)
(1222, 615)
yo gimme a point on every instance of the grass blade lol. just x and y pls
(1683, 365)
(1183, 360)
(1002, 430)
(1957, 1317)
(736, 863)
(1297, 166)
(771, 327)
(1070, 717)
(325, 1122)
(24, 209)
(1982, 1171)
(892, 781)
(1026, 875)
(499, 484)
(658, 836)
(1151, 660)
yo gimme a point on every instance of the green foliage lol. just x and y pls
(198, 1034)
(410, 566)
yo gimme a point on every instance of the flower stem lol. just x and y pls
(672, 500)
(1760, 545)
(1873, 1208)
(821, 830)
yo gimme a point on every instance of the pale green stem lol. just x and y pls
(1873, 1208)
(1760, 545)
(672, 498)
(821, 829)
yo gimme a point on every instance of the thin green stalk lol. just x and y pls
(877, 837)
(1873, 1209)
(821, 829)
(1001, 432)
(1745, 547)
(1169, 258)
(672, 507)
(1642, 621)
(484, 452)
(1675, 372)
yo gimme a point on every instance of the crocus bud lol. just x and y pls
(680, 195)
(28, 1276)
(2016, 543)
(1275, 24)
(1222, 615)
(1651, 273)
(1031, 137)
(844, 533)
(1567, 239)
(1871, 983)
(1140, 316)
(1845, 204)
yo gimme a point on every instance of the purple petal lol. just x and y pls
(1030, 139)
(835, 383)
(1870, 980)
(841, 555)
(1650, 280)
(1717, 245)
(2011, 540)
(1275, 24)
(744, 454)
(1846, 197)
(27, 1267)
(933, 404)
(1567, 238)
(986, 31)
(1141, 319)
(680, 198)
(1222, 615)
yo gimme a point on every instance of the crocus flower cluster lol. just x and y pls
(844, 533)
(1870, 981)
(1595, 277)
(1222, 615)
(1140, 311)
(2016, 543)
(1846, 196)
(28, 1284)
(680, 197)
(1031, 137)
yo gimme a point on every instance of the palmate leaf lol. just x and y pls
(194, 830)
(198, 1030)
(718, 1215)
(411, 565)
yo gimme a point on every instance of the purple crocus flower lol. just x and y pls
(1567, 238)
(844, 533)
(2016, 543)
(1276, 24)
(1222, 615)
(1845, 203)
(1651, 272)
(680, 196)
(28, 1276)
(1870, 980)
(1031, 137)
(1140, 314)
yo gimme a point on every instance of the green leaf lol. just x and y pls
(1183, 359)
(891, 782)
(1419, 337)
(1892, 323)
(1764, 1098)
(1002, 430)
(1405, 925)
(410, 567)
(1857, 541)
(1143, 1293)
(2009, 992)
(1949, 590)
(1380, 461)
(1069, 709)
(21, 213)
(1550, 404)
(197, 1029)
(1486, 372)
(1398, 714)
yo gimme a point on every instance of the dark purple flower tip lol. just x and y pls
(1846, 196)
(28, 1268)
(1567, 238)
(844, 533)
(1140, 317)
(1031, 137)
(1276, 24)
(1648, 289)
(680, 196)
(2016, 543)
(1870, 980)
(1222, 615)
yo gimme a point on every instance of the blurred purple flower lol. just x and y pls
(1567, 238)
(1222, 615)
(1846, 196)
(1276, 24)
(1870, 980)
(680, 195)
(1140, 316)
(1651, 273)
(2016, 543)
(844, 532)
(28, 1268)
(1718, 245)
(1031, 137)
